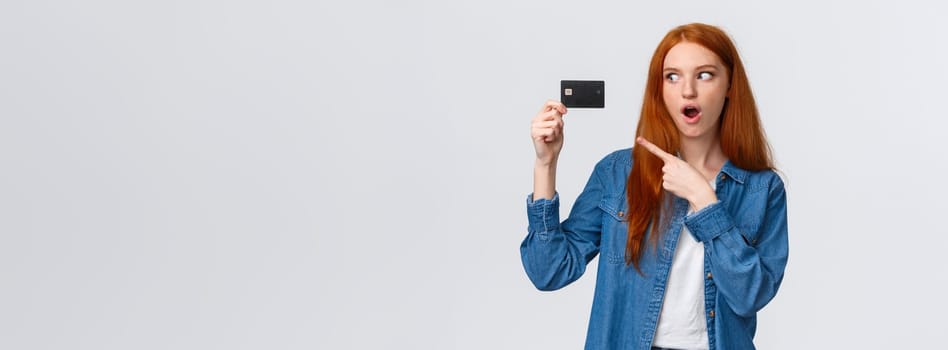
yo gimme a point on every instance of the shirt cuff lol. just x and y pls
(543, 214)
(709, 222)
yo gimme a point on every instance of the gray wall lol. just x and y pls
(352, 175)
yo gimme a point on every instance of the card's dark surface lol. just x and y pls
(583, 93)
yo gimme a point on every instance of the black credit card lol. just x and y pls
(583, 93)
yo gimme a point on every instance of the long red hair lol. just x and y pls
(742, 136)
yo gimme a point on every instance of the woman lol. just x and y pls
(691, 223)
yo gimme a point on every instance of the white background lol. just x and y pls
(352, 174)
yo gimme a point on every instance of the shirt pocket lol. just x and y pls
(750, 233)
(615, 229)
(750, 217)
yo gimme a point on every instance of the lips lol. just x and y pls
(691, 113)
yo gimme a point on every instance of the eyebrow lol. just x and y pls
(703, 66)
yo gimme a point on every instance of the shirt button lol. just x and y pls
(621, 213)
(711, 313)
(709, 275)
(722, 177)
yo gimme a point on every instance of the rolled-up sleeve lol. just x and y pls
(747, 273)
(554, 253)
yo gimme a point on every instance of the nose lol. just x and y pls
(688, 89)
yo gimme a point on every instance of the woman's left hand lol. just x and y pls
(681, 179)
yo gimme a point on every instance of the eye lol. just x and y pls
(705, 75)
(672, 76)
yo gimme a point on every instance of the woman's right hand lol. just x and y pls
(547, 132)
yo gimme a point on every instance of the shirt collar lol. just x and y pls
(734, 172)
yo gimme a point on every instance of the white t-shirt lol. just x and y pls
(682, 323)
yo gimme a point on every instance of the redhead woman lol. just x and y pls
(690, 224)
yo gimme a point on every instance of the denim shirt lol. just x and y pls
(745, 243)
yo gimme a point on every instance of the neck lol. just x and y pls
(704, 154)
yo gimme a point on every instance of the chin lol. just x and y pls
(690, 133)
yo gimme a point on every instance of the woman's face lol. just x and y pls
(694, 88)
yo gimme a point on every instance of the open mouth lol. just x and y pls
(691, 111)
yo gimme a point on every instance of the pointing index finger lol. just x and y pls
(658, 152)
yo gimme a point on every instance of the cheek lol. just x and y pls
(715, 104)
(667, 95)
(715, 99)
(671, 99)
